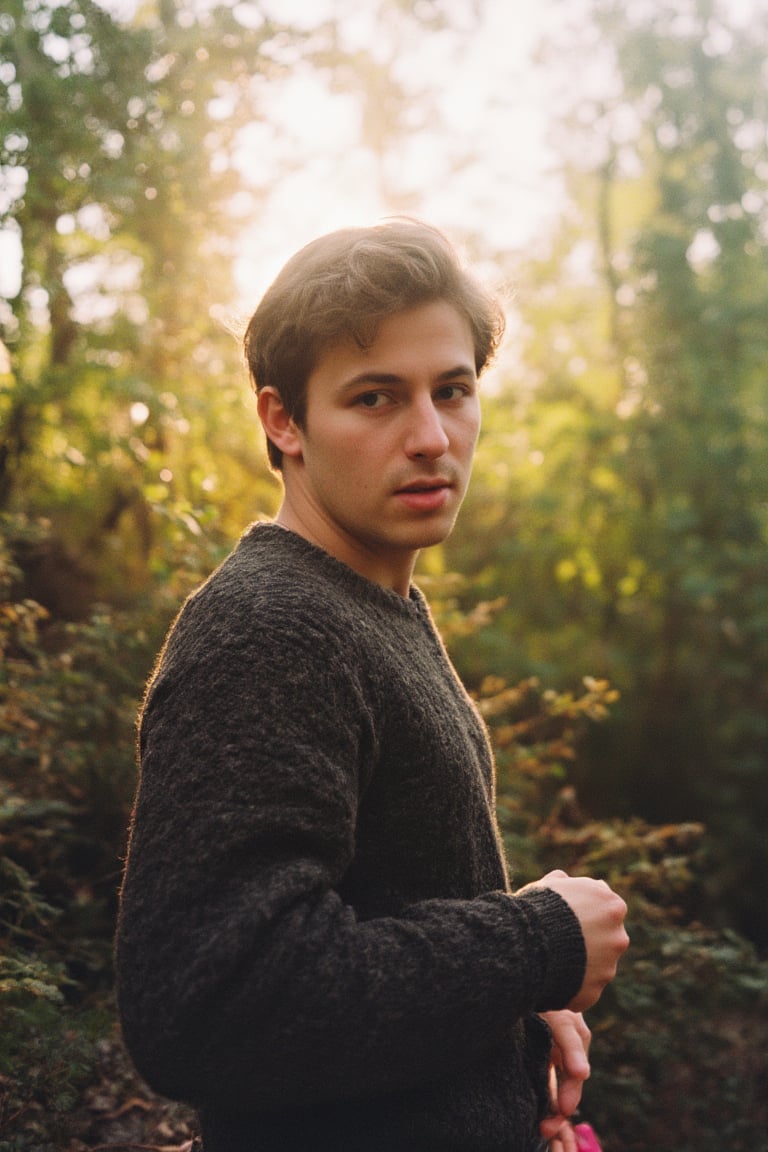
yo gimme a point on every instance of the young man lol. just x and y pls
(317, 944)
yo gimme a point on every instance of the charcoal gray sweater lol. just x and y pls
(316, 946)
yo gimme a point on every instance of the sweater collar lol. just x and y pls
(296, 547)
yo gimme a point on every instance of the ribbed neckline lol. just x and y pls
(415, 605)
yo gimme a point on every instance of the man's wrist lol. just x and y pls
(566, 950)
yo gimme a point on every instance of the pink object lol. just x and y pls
(586, 1140)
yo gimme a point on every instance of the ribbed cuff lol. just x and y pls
(567, 953)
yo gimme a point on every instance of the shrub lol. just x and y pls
(678, 1060)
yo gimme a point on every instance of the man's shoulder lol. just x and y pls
(276, 581)
(271, 565)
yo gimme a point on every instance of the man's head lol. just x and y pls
(344, 285)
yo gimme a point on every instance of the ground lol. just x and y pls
(121, 1113)
(116, 1112)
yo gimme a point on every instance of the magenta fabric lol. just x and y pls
(586, 1139)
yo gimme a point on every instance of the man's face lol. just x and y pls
(384, 456)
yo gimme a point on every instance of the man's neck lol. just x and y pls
(365, 562)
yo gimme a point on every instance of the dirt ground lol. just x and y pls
(121, 1113)
(116, 1113)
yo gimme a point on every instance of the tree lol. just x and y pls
(117, 130)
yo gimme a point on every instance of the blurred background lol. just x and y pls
(604, 166)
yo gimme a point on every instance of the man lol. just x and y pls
(317, 944)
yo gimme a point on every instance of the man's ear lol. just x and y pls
(278, 425)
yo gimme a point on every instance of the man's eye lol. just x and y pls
(452, 392)
(372, 399)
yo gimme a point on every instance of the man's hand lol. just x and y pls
(564, 1141)
(569, 1070)
(600, 912)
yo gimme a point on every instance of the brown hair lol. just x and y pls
(343, 285)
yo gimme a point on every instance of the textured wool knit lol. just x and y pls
(317, 946)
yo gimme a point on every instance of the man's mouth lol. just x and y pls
(425, 495)
(425, 486)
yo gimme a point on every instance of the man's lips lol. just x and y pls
(425, 495)
(425, 486)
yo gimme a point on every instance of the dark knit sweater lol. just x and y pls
(316, 944)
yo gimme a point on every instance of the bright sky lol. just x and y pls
(493, 101)
(479, 74)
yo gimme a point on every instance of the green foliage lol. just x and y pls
(47, 1057)
(69, 693)
(678, 1056)
(47, 1053)
(125, 408)
(67, 704)
(46, 1046)
(688, 1071)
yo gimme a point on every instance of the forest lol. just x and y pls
(605, 593)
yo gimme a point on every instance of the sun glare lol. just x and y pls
(477, 163)
(480, 167)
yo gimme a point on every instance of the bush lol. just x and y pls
(67, 703)
(69, 693)
(678, 1059)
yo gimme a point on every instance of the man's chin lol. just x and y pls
(431, 534)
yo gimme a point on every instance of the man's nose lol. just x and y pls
(426, 437)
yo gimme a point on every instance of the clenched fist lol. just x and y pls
(601, 914)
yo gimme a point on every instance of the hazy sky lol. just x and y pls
(492, 100)
(495, 102)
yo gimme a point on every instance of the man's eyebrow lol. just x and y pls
(460, 372)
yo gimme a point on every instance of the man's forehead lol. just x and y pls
(415, 324)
